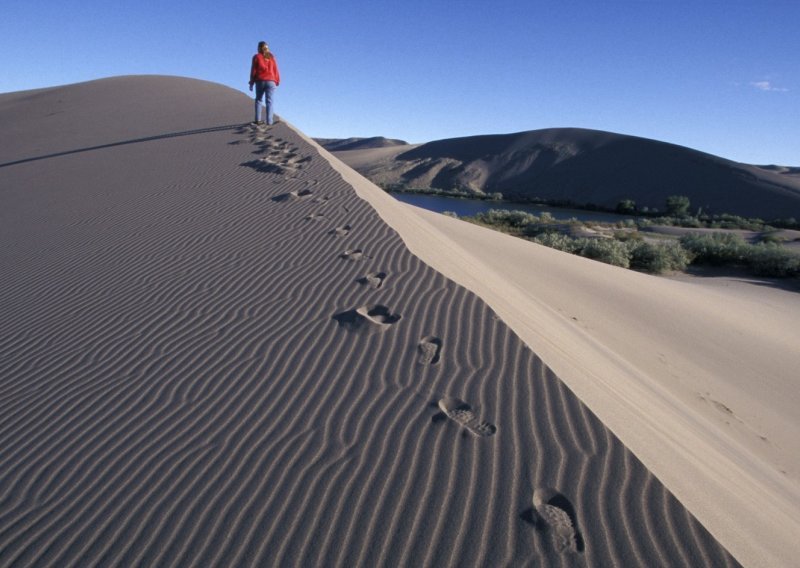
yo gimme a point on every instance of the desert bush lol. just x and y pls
(765, 259)
(606, 250)
(677, 205)
(659, 258)
(668, 221)
(626, 207)
(691, 223)
(773, 260)
(727, 221)
(505, 217)
(717, 248)
(559, 242)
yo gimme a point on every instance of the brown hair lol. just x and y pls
(264, 44)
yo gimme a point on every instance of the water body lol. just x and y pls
(465, 207)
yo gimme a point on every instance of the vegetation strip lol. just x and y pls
(626, 246)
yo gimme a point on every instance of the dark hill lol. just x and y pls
(589, 166)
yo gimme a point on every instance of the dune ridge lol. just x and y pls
(175, 388)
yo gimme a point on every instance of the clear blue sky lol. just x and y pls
(718, 76)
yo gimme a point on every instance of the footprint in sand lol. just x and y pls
(340, 231)
(298, 163)
(367, 319)
(265, 166)
(291, 161)
(461, 413)
(279, 155)
(429, 350)
(354, 255)
(373, 279)
(294, 195)
(556, 515)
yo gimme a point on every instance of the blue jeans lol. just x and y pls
(265, 90)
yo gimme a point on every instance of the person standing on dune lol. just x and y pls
(265, 76)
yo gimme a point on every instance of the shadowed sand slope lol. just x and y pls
(584, 166)
(213, 352)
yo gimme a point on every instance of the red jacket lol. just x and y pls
(264, 69)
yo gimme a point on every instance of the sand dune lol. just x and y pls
(216, 351)
(347, 144)
(584, 166)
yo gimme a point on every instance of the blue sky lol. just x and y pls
(718, 76)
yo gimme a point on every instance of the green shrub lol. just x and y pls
(608, 251)
(504, 217)
(773, 260)
(765, 259)
(677, 205)
(716, 248)
(559, 242)
(659, 258)
(727, 221)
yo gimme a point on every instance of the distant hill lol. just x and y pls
(784, 170)
(343, 144)
(582, 166)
